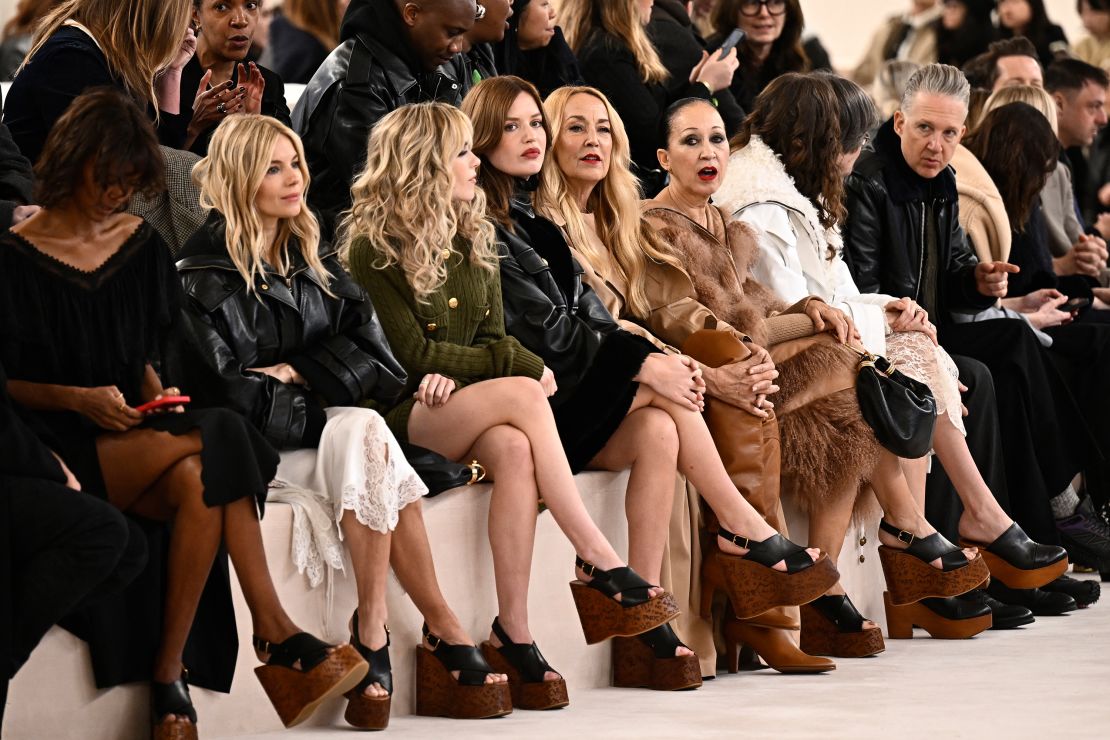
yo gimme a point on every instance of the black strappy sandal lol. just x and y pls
(525, 666)
(649, 661)
(602, 616)
(301, 674)
(751, 581)
(831, 625)
(909, 575)
(172, 698)
(370, 712)
(439, 694)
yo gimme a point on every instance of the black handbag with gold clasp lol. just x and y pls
(901, 411)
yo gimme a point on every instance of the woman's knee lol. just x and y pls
(505, 446)
(654, 432)
(183, 481)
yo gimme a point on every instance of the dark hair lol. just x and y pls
(667, 121)
(1100, 5)
(486, 105)
(1019, 150)
(787, 53)
(1019, 46)
(979, 69)
(1038, 22)
(27, 15)
(798, 117)
(103, 127)
(1072, 75)
(858, 114)
(956, 46)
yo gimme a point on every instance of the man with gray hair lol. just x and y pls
(903, 237)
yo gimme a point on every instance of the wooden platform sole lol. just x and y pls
(602, 617)
(754, 589)
(902, 618)
(821, 637)
(296, 694)
(438, 694)
(1020, 578)
(367, 712)
(537, 696)
(910, 579)
(635, 666)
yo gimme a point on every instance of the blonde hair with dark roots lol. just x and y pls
(580, 18)
(401, 202)
(615, 203)
(229, 179)
(138, 37)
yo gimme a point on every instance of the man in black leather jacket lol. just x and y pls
(392, 53)
(902, 237)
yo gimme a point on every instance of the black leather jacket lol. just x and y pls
(551, 311)
(885, 232)
(372, 73)
(336, 343)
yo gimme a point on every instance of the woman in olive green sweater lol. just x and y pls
(417, 238)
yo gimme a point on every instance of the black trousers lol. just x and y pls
(68, 549)
(984, 441)
(1044, 439)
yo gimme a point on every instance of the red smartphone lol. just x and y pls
(162, 403)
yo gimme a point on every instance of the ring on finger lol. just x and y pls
(221, 108)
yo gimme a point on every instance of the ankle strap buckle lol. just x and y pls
(907, 537)
(739, 541)
(588, 568)
(433, 641)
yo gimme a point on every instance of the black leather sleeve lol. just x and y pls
(864, 233)
(355, 363)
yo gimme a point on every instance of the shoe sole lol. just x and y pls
(1019, 578)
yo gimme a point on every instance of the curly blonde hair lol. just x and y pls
(229, 179)
(402, 204)
(615, 203)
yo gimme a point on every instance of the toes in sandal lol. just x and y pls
(831, 625)
(649, 661)
(602, 616)
(439, 694)
(946, 619)
(370, 712)
(525, 666)
(751, 581)
(301, 674)
(1019, 562)
(172, 698)
(910, 576)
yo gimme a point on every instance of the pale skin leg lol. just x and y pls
(827, 528)
(983, 519)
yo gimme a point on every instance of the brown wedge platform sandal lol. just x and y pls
(297, 690)
(747, 642)
(370, 712)
(525, 666)
(946, 619)
(602, 616)
(911, 578)
(751, 582)
(439, 694)
(831, 625)
(1019, 562)
(648, 661)
(172, 699)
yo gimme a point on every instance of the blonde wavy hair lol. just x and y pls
(402, 204)
(621, 18)
(140, 38)
(1034, 96)
(615, 203)
(229, 179)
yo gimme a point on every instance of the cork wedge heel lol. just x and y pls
(296, 691)
(526, 667)
(910, 576)
(831, 625)
(902, 618)
(440, 694)
(648, 661)
(602, 616)
(370, 712)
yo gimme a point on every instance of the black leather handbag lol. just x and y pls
(901, 411)
(438, 473)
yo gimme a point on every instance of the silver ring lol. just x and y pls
(221, 108)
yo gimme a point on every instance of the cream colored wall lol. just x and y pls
(846, 26)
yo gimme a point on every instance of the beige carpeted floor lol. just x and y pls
(1048, 680)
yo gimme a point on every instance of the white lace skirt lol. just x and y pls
(916, 356)
(357, 467)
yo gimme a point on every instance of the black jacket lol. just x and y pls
(16, 178)
(273, 98)
(372, 73)
(552, 312)
(296, 53)
(679, 46)
(885, 231)
(336, 343)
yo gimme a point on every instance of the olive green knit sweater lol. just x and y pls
(459, 331)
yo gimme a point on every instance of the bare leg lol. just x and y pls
(983, 519)
(370, 560)
(915, 471)
(827, 529)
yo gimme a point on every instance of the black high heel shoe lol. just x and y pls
(602, 616)
(172, 699)
(831, 625)
(910, 576)
(649, 661)
(526, 667)
(370, 712)
(1018, 561)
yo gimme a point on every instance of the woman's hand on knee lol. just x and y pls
(434, 390)
(547, 382)
(677, 378)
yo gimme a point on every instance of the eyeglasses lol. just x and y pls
(479, 12)
(752, 7)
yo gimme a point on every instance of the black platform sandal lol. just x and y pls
(439, 694)
(525, 666)
(751, 581)
(831, 625)
(172, 699)
(910, 576)
(370, 712)
(1018, 561)
(301, 674)
(649, 661)
(602, 616)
